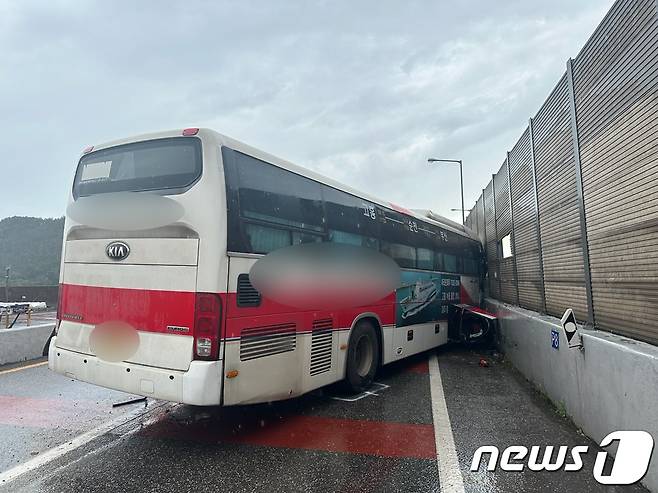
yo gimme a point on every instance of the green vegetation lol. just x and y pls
(31, 246)
(561, 409)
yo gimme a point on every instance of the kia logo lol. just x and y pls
(117, 250)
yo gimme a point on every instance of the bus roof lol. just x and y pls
(425, 215)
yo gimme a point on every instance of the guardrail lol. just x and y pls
(15, 310)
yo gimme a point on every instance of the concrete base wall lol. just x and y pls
(23, 343)
(612, 384)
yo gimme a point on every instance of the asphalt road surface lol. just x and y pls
(415, 430)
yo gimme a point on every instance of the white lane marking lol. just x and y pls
(375, 385)
(97, 450)
(450, 475)
(19, 368)
(58, 451)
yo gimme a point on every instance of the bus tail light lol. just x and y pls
(207, 317)
(190, 131)
(203, 347)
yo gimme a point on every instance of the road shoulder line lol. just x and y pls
(54, 453)
(450, 476)
(23, 367)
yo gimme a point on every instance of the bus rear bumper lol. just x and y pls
(200, 385)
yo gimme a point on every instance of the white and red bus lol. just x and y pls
(160, 234)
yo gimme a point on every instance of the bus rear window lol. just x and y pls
(171, 164)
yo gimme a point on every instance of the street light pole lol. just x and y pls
(461, 178)
(7, 284)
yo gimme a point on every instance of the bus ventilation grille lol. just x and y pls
(247, 294)
(258, 342)
(321, 346)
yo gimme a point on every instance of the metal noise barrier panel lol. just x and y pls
(578, 193)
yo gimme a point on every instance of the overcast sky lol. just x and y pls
(363, 92)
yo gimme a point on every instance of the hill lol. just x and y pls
(31, 246)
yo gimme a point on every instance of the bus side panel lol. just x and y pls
(470, 290)
(413, 339)
(278, 353)
(421, 311)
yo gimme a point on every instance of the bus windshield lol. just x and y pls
(172, 164)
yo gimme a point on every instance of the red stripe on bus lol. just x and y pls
(147, 310)
(272, 313)
(153, 310)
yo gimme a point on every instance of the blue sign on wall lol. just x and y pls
(555, 339)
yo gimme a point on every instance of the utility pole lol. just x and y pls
(7, 269)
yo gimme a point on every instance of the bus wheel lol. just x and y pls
(362, 357)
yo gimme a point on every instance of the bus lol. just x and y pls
(161, 232)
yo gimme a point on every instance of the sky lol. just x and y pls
(363, 92)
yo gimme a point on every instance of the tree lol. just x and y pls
(32, 247)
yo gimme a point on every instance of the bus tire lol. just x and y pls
(47, 346)
(362, 357)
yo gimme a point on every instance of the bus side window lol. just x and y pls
(345, 238)
(470, 266)
(438, 261)
(371, 243)
(425, 258)
(272, 194)
(404, 255)
(266, 240)
(450, 262)
(298, 238)
(350, 215)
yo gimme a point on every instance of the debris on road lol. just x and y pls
(131, 401)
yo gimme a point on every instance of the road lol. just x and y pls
(59, 435)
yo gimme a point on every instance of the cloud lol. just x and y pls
(362, 92)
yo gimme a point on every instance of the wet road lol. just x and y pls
(326, 441)
(40, 410)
